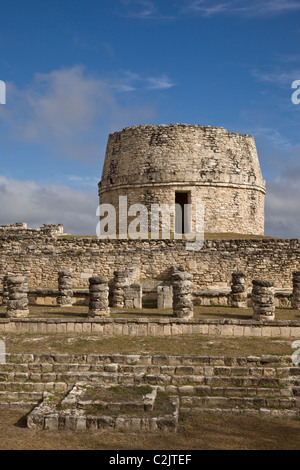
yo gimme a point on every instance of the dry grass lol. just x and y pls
(207, 236)
(207, 432)
(200, 312)
(193, 345)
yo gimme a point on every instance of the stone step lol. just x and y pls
(205, 390)
(227, 361)
(239, 402)
(20, 397)
(42, 367)
(262, 412)
(33, 387)
(198, 390)
(153, 379)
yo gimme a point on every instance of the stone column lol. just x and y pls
(182, 283)
(263, 300)
(17, 303)
(99, 292)
(133, 295)
(164, 297)
(5, 291)
(238, 294)
(296, 290)
(120, 281)
(65, 293)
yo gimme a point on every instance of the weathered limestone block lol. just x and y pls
(127, 293)
(99, 292)
(5, 291)
(182, 283)
(238, 294)
(263, 300)
(120, 281)
(17, 304)
(181, 153)
(164, 297)
(65, 295)
(133, 296)
(296, 290)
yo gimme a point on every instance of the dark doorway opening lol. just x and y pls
(181, 219)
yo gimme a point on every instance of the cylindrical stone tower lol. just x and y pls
(187, 164)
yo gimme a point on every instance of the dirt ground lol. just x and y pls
(187, 345)
(207, 432)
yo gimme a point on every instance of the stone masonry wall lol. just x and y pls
(40, 258)
(218, 169)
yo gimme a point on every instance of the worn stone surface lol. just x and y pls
(5, 291)
(296, 290)
(164, 297)
(65, 292)
(182, 285)
(17, 303)
(263, 302)
(238, 294)
(41, 257)
(99, 293)
(126, 291)
(71, 414)
(149, 164)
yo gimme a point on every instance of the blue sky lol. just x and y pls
(76, 70)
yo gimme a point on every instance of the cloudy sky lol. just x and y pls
(76, 70)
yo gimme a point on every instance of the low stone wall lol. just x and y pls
(73, 415)
(153, 327)
(40, 257)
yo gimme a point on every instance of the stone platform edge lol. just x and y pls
(152, 327)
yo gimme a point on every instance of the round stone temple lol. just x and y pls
(187, 164)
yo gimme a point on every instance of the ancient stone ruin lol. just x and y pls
(182, 283)
(263, 300)
(17, 303)
(238, 294)
(127, 292)
(164, 297)
(99, 293)
(65, 292)
(296, 290)
(187, 164)
(153, 165)
(5, 291)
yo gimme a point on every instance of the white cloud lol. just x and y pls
(281, 78)
(37, 204)
(160, 83)
(155, 10)
(69, 111)
(129, 82)
(282, 208)
(142, 9)
(241, 7)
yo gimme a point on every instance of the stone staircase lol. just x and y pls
(265, 385)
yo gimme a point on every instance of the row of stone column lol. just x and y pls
(238, 294)
(263, 298)
(15, 294)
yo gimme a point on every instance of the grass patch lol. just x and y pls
(213, 312)
(116, 393)
(205, 432)
(187, 345)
